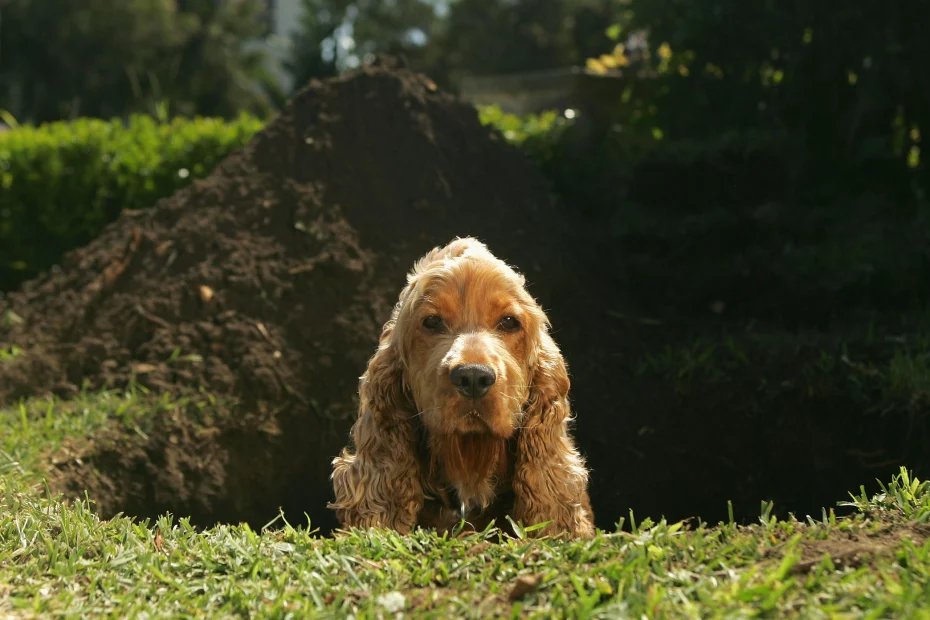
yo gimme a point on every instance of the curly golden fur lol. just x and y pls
(466, 396)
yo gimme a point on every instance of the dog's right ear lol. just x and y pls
(381, 389)
(380, 485)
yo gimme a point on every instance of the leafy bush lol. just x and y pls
(843, 82)
(61, 183)
(519, 129)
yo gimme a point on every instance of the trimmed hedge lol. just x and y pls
(61, 183)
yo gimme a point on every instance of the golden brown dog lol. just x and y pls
(464, 409)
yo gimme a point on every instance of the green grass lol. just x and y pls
(35, 433)
(909, 375)
(57, 558)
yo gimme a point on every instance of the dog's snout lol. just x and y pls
(473, 380)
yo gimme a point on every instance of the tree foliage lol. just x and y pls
(104, 58)
(451, 39)
(846, 83)
(481, 37)
(338, 34)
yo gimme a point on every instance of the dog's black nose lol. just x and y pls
(472, 380)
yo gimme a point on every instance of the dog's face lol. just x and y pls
(467, 353)
(468, 335)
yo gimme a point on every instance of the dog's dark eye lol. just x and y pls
(433, 322)
(508, 324)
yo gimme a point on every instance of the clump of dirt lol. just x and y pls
(856, 546)
(266, 284)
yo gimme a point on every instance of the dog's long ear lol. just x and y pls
(379, 485)
(550, 481)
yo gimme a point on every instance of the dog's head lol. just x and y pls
(467, 356)
(467, 335)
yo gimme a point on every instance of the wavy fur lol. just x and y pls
(417, 441)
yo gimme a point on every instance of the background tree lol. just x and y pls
(482, 37)
(339, 34)
(107, 58)
(447, 40)
(213, 72)
(845, 83)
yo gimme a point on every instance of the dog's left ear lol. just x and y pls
(550, 481)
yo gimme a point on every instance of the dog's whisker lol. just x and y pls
(425, 411)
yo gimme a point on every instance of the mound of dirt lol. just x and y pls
(266, 284)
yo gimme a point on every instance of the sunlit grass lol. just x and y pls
(57, 558)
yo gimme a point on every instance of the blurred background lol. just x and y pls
(755, 172)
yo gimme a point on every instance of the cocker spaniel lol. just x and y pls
(464, 409)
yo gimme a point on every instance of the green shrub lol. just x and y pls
(522, 130)
(61, 183)
(838, 79)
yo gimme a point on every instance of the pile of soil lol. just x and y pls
(266, 285)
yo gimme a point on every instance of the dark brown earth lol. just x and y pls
(266, 284)
(852, 549)
(860, 544)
